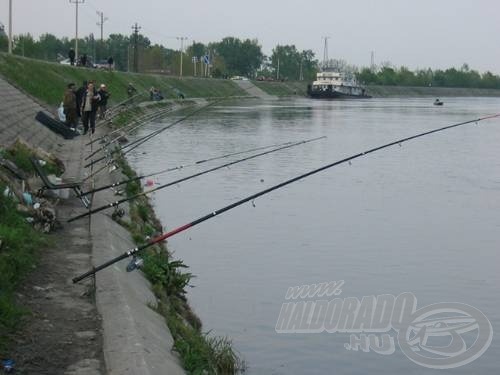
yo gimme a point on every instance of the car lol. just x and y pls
(101, 64)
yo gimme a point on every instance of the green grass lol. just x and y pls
(199, 352)
(288, 88)
(20, 154)
(47, 81)
(18, 255)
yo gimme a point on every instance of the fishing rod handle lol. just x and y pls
(95, 210)
(94, 270)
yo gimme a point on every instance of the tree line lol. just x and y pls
(228, 57)
(233, 56)
(452, 77)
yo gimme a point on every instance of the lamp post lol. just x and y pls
(182, 39)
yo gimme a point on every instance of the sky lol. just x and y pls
(417, 33)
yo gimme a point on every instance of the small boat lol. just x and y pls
(438, 102)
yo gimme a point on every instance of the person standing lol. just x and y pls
(110, 63)
(71, 55)
(69, 104)
(79, 97)
(90, 102)
(103, 103)
(83, 60)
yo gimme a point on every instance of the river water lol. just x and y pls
(421, 218)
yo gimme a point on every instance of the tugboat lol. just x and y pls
(331, 84)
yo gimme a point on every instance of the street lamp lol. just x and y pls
(182, 39)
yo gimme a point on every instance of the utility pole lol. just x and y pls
(372, 64)
(92, 42)
(195, 60)
(102, 19)
(76, 2)
(301, 75)
(182, 39)
(278, 70)
(136, 29)
(10, 26)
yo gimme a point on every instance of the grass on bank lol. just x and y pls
(47, 81)
(286, 88)
(18, 255)
(19, 153)
(199, 352)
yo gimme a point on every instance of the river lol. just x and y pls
(420, 218)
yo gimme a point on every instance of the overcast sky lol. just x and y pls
(416, 33)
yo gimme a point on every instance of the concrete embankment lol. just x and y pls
(118, 333)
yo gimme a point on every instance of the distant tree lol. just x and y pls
(196, 49)
(4, 41)
(290, 62)
(117, 46)
(25, 45)
(240, 57)
(51, 47)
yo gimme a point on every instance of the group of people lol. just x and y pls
(85, 103)
(83, 60)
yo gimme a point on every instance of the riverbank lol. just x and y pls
(133, 337)
(299, 88)
(46, 81)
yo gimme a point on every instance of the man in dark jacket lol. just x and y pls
(69, 104)
(71, 55)
(79, 95)
(103, 103)
(110, 63)
(90, 102)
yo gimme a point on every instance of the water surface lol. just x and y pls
(421, 218)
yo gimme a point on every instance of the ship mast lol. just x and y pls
(325, 53)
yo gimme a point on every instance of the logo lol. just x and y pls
(440, 336)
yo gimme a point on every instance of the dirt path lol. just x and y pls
(62, 334)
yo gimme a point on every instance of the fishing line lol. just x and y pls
(114, 204)
(252, 197)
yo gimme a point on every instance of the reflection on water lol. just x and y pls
(423, 218)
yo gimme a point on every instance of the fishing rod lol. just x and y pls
(138, 123)
(113, 112)
(137, 118)
(179, 167)
(134, 113)
(144, 193)
(147, 137)
(252, 197)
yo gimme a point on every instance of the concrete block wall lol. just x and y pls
(17, 120)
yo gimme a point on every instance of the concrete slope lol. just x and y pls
(253, 90)
(136, 338)
(17, 119)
